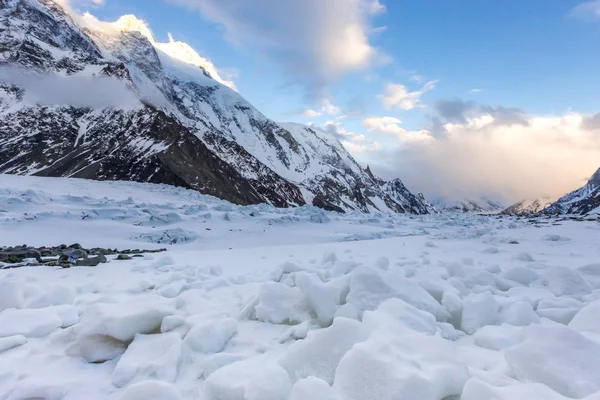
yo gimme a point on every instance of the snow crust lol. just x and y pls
(267, 304)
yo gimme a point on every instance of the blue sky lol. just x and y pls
(380, 90)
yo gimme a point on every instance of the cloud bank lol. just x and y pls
(72, 90)
(315, 41)
(474, 150)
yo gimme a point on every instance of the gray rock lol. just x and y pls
(75, 254)
(91, 261)
(17, 256)
(122, 257)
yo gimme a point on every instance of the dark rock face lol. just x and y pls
(581, 201)
(184, 131)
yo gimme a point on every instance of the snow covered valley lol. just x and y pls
(260, 303)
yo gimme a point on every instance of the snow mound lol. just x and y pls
(408, 367)
(312, 388)
(320, 353)
(105, 330)
(149, 357)
(564, 282)
(559, 358)
(29, 323)
(369, 288)
(478, 311)
(248, 380)
(151, 390)
(587, 319)
(211, 336)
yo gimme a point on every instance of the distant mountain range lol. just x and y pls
(466, 205)
(171, 119)
(529, 207)
(583, 201)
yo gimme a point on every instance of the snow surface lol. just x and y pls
(259, 303)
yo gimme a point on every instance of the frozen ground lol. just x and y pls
(255, 303)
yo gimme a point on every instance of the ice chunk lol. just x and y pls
(347, 311)
(11, 342)
(171, 322)
(29, 323)
(211, 336)
(149, 356)
(524, 256)
(151, 390)
(67, 314)
(319, 354)
(106, 328)
(312, 388)
(408, 367)
(522, 275)
(54, 296)
(321, 298)
(558, 357)
(454, 305)
(123, 320)
(479, 310)
(476, 389)
(564, 282)
(497, 337)
(560, 315)
(11, 295)
(329, 257)
(559, 302)
(296, 332)
(253, 379)
(279, 304)
(474, 276)
(533, 294)
(520, 313)
(591, 273)
(398, 315)
(588, 318)
(368, 289)
(172, 289)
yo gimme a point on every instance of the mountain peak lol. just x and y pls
(594, 181)
(131, 23)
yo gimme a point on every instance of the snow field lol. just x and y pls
(425, 312)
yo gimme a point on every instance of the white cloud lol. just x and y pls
(476, 90)
(311, 113)
(391, 126)
(71, 90)
(397, 96)
(587, 10)
(355, 143)
(315, 41)
(327, 107)
(330, 108)
(547, 156)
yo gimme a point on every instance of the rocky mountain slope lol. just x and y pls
(90, 99)
(478, 205)
(584, 200)
(529, 207)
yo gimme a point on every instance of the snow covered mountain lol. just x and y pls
(585, 200)
(529, 207)
(478, 205)
(97, 100)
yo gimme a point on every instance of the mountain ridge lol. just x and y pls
(185, 127)
(582, 201)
